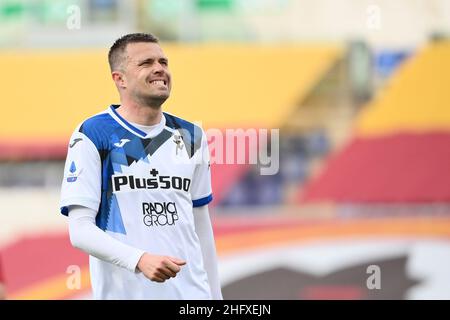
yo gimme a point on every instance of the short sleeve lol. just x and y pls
(81, 183)
(201, 191)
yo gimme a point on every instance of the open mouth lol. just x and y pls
(159, 82)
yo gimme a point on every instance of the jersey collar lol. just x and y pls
(124, 123)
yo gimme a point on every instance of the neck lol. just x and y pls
(140, 114)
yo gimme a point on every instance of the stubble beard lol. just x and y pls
(152, 101)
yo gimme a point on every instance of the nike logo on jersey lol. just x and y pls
(121, 143)
(74, 142)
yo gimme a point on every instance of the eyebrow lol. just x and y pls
(151, 60)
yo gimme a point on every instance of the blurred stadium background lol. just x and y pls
(360, 91)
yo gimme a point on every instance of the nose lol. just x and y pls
(158, 68)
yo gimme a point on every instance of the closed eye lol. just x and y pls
(145, 62)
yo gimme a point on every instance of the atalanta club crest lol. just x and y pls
(178, 139)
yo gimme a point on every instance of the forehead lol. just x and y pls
(144, 50)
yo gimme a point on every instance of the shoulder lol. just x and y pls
(97, 128)
(95, 124)
(178, 123)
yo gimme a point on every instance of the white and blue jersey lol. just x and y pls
(144, 187)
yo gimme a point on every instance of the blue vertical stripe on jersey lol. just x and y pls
(115, 223)
(109, 216)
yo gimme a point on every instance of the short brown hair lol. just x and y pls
(116, 54)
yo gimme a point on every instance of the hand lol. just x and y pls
(159, 268)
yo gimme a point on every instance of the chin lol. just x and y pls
(156, 99)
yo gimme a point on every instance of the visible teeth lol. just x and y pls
(157, 81)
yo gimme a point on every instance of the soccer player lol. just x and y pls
(137, 185)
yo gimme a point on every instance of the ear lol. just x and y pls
(119, 79)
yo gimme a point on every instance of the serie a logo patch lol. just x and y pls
(74, 172)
